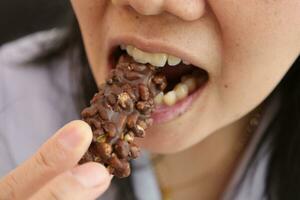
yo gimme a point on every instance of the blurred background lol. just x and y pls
(22, 17)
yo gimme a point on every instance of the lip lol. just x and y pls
(153, 46)
(161, 114)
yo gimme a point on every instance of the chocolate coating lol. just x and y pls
(120, 111)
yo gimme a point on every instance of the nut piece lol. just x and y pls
(97, 133)
(111, 99)
(124, 100)
(110, 129)
(144, 107)
(89, 111)
(160, 81)
(122, 149)
(104, 150)
(132, 119)
(139, 131)
(144, 92)
(128, 89)
(132, 76)
(102, 112)
(95, 124)
(134, 151)
(129, 137)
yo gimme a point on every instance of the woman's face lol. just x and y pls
(246, 47)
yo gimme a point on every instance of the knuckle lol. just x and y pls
(43, 162)
(8, 187)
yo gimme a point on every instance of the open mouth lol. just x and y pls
(185, 81)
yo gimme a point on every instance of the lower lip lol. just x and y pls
(167, 113)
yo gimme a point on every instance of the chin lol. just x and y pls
(163, 141)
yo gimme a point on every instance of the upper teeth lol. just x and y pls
(187, 84)
(155, 59)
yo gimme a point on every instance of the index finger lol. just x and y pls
(58, 154)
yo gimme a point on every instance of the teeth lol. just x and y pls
(181, 91)
(129, 50)
(190, 82)
(186, 62)
(172, 60)
(170, 98)
(159, 98)
(158, 59)
(187, 85)
(140, 56)
(155, 59)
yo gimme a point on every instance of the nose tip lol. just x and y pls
(144, 7)
(188, 10)
(185, 9)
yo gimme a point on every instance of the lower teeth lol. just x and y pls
(186, 86)
(170, 98)
(181, 91)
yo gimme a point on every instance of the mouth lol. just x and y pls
(186, 82)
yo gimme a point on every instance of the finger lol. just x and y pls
(58, 154)
(87, 181)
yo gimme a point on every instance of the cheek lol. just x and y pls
(90, 16)
(94, 8)
(260, 42)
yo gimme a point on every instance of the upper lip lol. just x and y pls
(155, 46)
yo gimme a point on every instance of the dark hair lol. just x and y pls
(283, 133)
(283, 177)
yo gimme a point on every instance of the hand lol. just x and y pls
(53, 173)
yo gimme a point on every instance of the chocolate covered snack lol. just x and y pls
(121, 111)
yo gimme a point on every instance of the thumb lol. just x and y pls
(58, 154)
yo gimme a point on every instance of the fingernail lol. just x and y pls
(72, 135)
(91, 174)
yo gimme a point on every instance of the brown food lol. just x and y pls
(121, 111)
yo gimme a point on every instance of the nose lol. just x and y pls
(185, 9)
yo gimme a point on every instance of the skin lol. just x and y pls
(244, 46)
